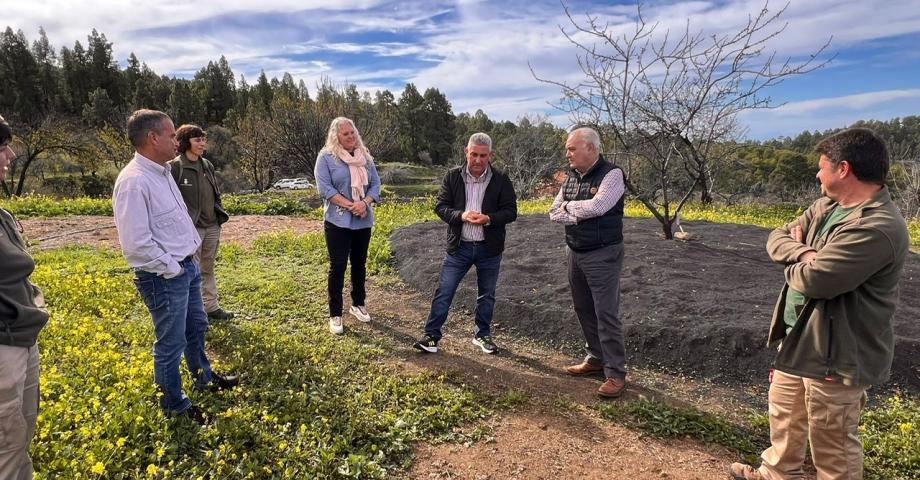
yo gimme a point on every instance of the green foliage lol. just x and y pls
(274, 203)
(311, 405)
(663, 420)
(891, 437)
(44, 206)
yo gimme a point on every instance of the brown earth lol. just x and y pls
(54, 232)
(555, 431)
(699, 307)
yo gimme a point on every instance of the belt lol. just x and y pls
(477, 242)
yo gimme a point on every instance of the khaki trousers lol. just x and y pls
(824, 414)
(206, 257)
(18, 409)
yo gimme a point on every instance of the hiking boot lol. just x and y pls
(427, 344)
(612, 388)
(335, 325)
(583, 368)
(740, 471)
(360, 313)
(194, 414)
(486, 344)
(220, 314)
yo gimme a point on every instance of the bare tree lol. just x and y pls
(53, 135)
(531, 154)
(667, 98)
(258, 148)
(905, 175)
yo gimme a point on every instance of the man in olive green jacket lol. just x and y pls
(833, 321)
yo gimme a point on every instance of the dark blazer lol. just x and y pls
(499, 202)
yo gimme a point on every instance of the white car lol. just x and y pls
(284, 183)
(300, 184)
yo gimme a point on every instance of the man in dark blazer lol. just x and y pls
(476, 201)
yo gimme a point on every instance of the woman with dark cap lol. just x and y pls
(22, 316)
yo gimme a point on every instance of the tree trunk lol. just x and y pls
(667, 228)
(705, 194)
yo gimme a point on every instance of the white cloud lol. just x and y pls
(834, 112)
(475, 51)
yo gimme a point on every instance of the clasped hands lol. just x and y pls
(358, 209)
(798, 235)
(475, 218)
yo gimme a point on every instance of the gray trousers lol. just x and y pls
(207, 256)
(594, 278)
(18, 409)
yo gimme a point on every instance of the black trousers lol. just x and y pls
(345, 244)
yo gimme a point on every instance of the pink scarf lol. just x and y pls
(357, 166)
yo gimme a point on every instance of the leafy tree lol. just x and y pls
(411, 117)
(438, 126)
(184, 105)
(216, 87)
(20, 77)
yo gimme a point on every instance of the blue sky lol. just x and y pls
(477, 52)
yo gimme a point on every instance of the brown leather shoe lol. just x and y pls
(740, 471)
(612, 388)
(583, 368)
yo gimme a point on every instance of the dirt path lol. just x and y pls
(555, 432)
(45, 233)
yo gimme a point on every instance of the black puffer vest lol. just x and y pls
(597, 232)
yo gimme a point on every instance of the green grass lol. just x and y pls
(662, 420)
(311, 405)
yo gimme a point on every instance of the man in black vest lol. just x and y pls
(476, 201)
(590, 205)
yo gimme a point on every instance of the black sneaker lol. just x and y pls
(220, 314)
(223, 382)
(194, 414)
(427, 344)
(486, 344)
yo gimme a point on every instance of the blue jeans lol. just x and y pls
(453, 270)
(179, 323)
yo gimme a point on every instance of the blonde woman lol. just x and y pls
(348, 182)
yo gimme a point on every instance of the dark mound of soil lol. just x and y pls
(700, 307)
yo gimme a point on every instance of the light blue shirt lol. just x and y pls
(154, 228)
(332, 176)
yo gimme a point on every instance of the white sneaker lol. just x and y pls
(360, 313)
(335, 325)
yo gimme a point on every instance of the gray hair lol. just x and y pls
(480, 138)
(589, 135)
(142, 122)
